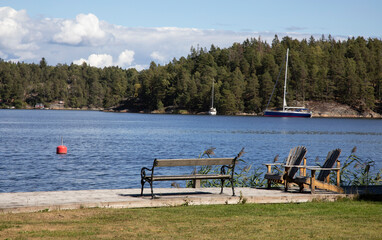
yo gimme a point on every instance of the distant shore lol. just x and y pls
(314, 114)
(319, 110)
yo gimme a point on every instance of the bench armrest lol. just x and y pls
(222, 169)
(143, 171)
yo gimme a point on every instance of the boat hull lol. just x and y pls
(287, 114)
(212, 111)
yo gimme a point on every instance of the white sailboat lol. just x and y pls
(212, 110)
(286, 110)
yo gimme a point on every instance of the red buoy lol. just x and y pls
(62, 149)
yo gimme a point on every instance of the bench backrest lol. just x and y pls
(194, 162)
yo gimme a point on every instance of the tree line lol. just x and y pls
(348, 72)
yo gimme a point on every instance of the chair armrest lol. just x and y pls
(320, 168)
(297, 166)
(269, 166)
(272, 164)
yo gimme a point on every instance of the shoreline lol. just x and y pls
(314, 115)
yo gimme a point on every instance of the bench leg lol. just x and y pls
(233, 188)
(143, 184)
(196, 183)
(223, 180)
(152, 192)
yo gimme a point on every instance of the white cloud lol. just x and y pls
(157, 56)
(100, 44)
(139, 67)
(85, 29)
(14, 30)
(81, 61)
(97, 60)
(100, 60)
(126, 58)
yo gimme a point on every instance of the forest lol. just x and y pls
(244, 75)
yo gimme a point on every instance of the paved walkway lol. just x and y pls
(130, 198)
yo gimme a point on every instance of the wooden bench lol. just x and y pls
(226, 163)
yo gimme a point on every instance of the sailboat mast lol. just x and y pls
(212, 94)
(285, 82)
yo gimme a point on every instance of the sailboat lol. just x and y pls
(212, 110)
(287, 111)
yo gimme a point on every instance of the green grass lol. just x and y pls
(316, 220)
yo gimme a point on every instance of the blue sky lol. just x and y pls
(133, 33)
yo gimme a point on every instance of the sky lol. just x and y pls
(131, 34)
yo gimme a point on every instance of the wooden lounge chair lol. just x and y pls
(323, 179)
(293, 161)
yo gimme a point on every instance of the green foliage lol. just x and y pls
(243, 176)
(348, 72)
(358, 172)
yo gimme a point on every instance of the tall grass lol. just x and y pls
(359, 172)
(245, 175)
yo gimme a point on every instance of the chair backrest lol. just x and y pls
(296, 155)
(330, 161)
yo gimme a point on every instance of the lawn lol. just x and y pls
(343, 219)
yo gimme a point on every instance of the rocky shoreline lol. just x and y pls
(319, 110)
(337, 110)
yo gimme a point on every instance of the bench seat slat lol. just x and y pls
(189, 177)
(193, 162)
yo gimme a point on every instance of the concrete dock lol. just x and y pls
(130, 198)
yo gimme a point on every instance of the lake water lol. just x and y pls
(107, 150)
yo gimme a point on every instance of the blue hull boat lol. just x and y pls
(297, 114)
(287, 111)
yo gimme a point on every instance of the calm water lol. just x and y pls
(107, 150)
